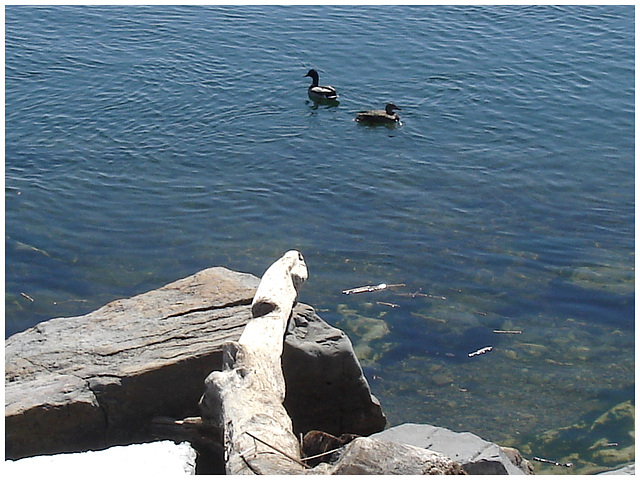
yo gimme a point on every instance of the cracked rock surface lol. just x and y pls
(97, 380)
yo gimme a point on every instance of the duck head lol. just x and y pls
(390, 108)
(314, 76)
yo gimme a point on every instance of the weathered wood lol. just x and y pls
(246, 398)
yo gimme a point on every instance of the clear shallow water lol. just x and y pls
(146, 143)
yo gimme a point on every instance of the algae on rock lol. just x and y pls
(600, 438)
(365, 331)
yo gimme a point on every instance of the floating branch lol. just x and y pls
(426, 317)
(481, 351)
(387, 304)
(552, 462)
(419, 293)
(371, 288)
(27, 296)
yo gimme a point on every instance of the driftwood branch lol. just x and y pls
(246, 399)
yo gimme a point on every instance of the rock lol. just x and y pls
(161, 459)
(368, 330)
(370, 456)
(98, 380)
(592, 446)
(326, 388)
(475, 455)
(628, 470)
(518, 460)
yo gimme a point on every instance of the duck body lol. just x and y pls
(320, 93)
(386, 116)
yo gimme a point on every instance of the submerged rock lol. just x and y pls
(600, 440)
(367, 330)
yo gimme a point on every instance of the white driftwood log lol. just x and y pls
(246, 398)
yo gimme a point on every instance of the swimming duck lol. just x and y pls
(380, 116)
(319, 93)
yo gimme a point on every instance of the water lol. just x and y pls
(146, 143)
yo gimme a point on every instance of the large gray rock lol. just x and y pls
(371, 456)
(326, 388)
(158, 459)
(475, 455)
(97, 380)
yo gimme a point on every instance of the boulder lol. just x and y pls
(326, 388)
(98, 380)
(371, 456)
(158, 459)
(475, 455)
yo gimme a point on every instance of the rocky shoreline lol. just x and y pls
(131, 371)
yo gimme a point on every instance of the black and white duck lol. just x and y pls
(320, 93)
(380, 116)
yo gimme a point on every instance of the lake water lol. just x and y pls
(146, 143)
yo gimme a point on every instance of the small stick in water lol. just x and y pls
(370, 288)
(481, 351)
(552, 462)
(387, 304)
(27, 296)
(419, 293)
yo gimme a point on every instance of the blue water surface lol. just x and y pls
(143, 144)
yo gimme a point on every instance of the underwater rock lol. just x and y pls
(366, 330)
(610, 271)
(601, 439)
